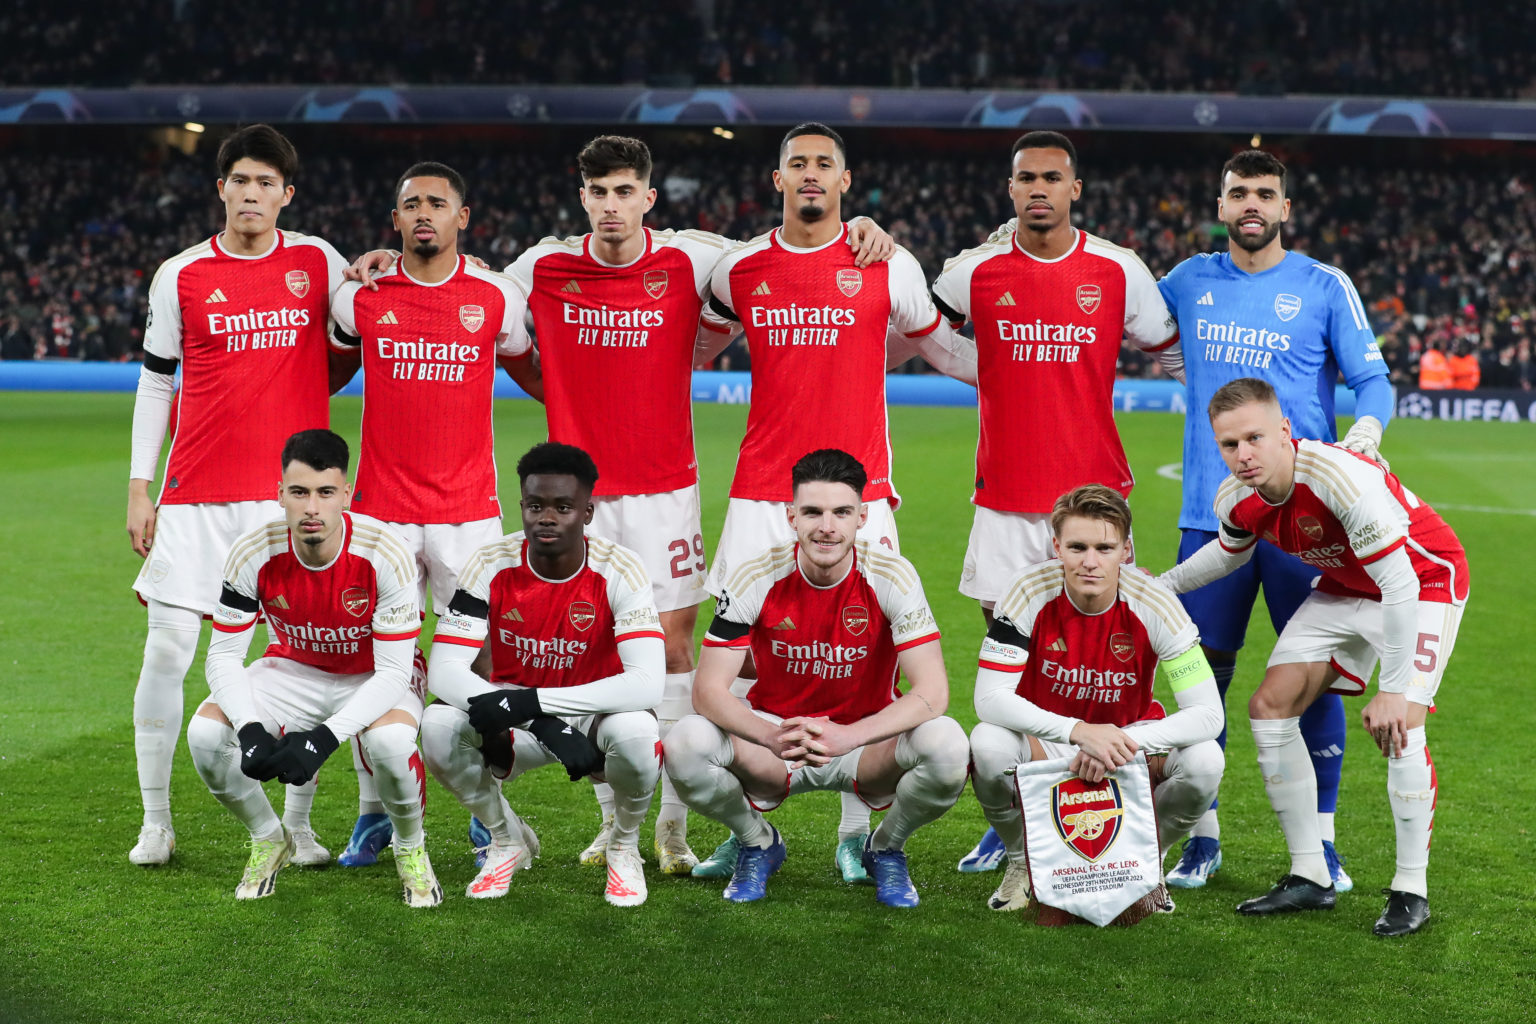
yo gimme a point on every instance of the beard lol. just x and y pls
(1253, 243)
(812, 211)
(426, 250)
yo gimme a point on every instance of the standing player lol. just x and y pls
(572, 672)
(430, 330)
(816, 325)
(1067, 670)
(339, 593)
(245, 315)
(831, 623)
(1258, 310)
(1051, 306)
(1394, 584)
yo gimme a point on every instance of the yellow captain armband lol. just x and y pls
(1188, 669)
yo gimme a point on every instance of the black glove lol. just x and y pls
(501, 709)
(299, 755)
(256, 746)
(579, 754)
(496, 748)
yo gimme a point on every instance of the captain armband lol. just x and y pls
(1188, 669)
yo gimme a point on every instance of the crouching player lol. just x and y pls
(339, 592)
(830, 622)
(1067, 670)
(572, 672)
(1394, 585)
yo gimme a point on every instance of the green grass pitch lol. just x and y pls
(88, 937)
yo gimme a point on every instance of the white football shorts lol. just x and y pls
(295, 697)
(185, 566)
(751, 527)
(441, 549)
(664, 530)
(1003, 544)
(1347, 634)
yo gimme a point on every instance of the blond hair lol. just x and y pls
(1092, 501)
(1241, 392)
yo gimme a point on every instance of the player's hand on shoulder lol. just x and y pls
(477, 261)
(570, 746)
(1364, 438)
(869, 241)
(256, 747)
(141, 521)
(370, 263)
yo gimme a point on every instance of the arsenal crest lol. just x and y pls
(471, 317)
(1310, 526)
(1122, 646)
(582, 615)
(655, 282)
(297, 282)
(849, 281)
(1088, 297)
(355, 601)
(855, 619)
(1287, 306)
(1087, 815)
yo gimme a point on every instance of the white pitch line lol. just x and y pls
(1172, 471)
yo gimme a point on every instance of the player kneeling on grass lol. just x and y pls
(1394, 583)
(831, 622)
(339, 594)
(1067, 670)
(551, 651)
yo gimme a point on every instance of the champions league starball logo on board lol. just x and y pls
(1378, 117)
(1087, 815)
(1010, 110)
(361, 105)
(46, 105)
(716, 106)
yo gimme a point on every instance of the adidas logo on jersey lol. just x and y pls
(216, 296)
(1060, 646)
(514, 615)
(279, 602)
(762, 289)
(572, 286)
(784, 623)
(1006, 300)
(1206, 300)
(387, 318)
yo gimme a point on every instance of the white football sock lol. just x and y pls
(628, 742)
(604, 794)
(1208, 827)
(1191, 777)
(170, 644)
(672, 807)
(1412, 789)
(1292, 788)
(855, 820)
(368, 801)
(993, 751)
(935, 755)
(401, 776)
(699, 755)
(216, 755)
(1325, 825)
(297, 801)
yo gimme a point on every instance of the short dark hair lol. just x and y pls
(814, 128)
(830, 465)
(433, 169)
(318, 449)
(550, 458)
(1047, 140)
(1238, 393)
(1092, 501)
(1252, 163)
(263, 143)
(609, 154)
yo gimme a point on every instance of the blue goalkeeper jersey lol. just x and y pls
(1297, 325)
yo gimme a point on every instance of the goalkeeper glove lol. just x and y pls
(501, 709)
(579, 754)
(1365, 438)
(300, 754)
(256, 746)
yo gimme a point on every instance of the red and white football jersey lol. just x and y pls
(1048, 335)
(551, 633)
(816, 327)
(1097, 668)
(429, 374)
(250, 333)
(328, 617)
(1345, 512)
(823, 651)
(616, 351)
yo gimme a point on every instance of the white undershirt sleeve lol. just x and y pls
(380, 692)
(151, 415)
(451, 674)
(1210, 563)
(1399, 585)
(998, 703)
(637, 688)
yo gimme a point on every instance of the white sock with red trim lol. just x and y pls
(401, 777)
(1412, 789)
(1292, 788)
(368, 801)
(629, 745)
(450, 747)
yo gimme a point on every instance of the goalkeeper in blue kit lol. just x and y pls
(1258, 310)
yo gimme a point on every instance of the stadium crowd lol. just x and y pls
(1441, 257)
(1377, 47)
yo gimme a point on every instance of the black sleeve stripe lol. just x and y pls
(465, 603)
(1235, 533)
(232, 598)
(345, 340)
(952, 315)
(724, 629)
(1005, 632)
(159, 364)
(722, 310)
